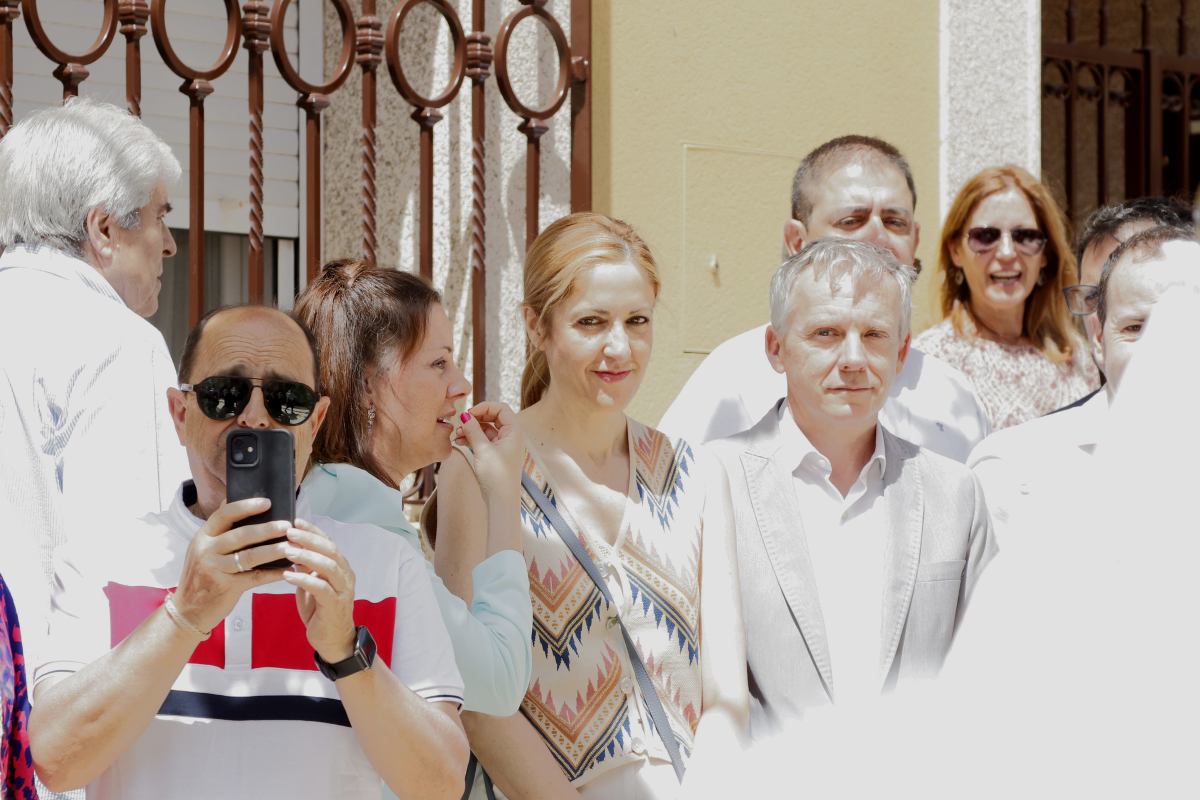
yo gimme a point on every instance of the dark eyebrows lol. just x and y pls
(239, 371)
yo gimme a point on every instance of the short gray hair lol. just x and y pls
(61, 162)
(841, 258)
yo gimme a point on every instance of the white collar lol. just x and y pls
(60, 264)
(179, 516)
(796, 449)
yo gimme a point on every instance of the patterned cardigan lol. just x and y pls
(584, 699)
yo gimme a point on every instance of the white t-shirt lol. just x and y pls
(931, 404)
(249, 715)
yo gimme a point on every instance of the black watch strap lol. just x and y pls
(362, 657)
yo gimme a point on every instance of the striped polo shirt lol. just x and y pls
(249, 715)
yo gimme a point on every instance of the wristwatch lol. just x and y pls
(362, 657)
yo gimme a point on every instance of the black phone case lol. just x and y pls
(273, 476)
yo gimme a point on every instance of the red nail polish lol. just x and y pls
(466, 415)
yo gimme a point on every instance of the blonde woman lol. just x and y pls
(649, 515)
(1005, 258)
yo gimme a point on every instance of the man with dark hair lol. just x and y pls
(1023, 469)
(183, 663)
(1100, 235)
(853, 187)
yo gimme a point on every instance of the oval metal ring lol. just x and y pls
(233, 34)
(564, 62)
(108, 31)
(290, 73)
(392, 46)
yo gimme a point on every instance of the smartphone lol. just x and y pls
(262, 463)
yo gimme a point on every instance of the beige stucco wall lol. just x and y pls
(702, 110)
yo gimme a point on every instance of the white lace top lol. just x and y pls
(1015, 383)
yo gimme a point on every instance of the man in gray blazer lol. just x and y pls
(857, 550)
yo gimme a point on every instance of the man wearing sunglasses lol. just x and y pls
(1023, 469)
(181, 664)
(853, 187)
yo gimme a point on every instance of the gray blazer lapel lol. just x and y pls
(774, 500)
(905, 498)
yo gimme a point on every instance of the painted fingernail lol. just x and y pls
(291, 552)
(466, 415)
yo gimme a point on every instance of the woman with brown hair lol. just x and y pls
(1005, 258)
(385, 360)
(638, 653)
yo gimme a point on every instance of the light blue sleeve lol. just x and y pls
(491, 637)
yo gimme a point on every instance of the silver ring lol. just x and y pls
(237, 560)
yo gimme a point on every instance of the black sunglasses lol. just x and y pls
(1029, 241)
(223, 397)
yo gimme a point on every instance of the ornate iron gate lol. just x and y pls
(1133, 112)
(366, 41)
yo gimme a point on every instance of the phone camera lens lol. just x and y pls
(239, 457)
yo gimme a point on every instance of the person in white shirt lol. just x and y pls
(855, 187)
(83, 377)
(857, 551)
(181, 666)
(1022, 469)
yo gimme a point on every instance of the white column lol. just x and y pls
(990, 93)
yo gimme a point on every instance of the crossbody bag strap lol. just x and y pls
(488, 789)
(658, 714)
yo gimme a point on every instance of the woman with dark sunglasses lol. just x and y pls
(1005, 257)
(385, 359)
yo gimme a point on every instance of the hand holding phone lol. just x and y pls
(262, 463)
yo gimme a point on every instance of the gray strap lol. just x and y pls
(658, 714)
(472, 765)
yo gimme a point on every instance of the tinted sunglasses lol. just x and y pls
(223, 397)
(1082, 298)
(1028, 241)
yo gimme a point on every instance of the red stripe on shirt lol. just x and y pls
(128, 607)
(279, 638)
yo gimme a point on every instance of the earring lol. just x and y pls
(1041, 277)
(957, 274)
(370, 418)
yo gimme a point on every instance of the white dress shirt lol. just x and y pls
(845, 539)
(1025, 470)
(931, 404)
(85, 431)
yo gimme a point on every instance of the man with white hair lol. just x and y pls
(1025, 470)
(857, 550)
(84, 424)
(852, 187)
